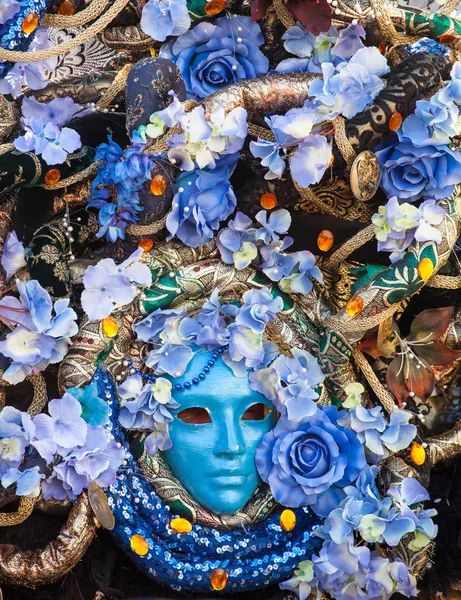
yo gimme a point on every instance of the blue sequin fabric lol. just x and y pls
(428, 45)
(253, 557)
(12, 36)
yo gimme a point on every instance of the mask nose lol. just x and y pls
(230, 440)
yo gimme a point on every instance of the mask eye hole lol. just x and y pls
(256, 412)
(194, 415)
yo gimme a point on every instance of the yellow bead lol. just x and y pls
(214, 7)
(181, 526)
(29, 23)
(395, 121)
(218, 579)
(354, 306)
(139, 544)
(287, 520)
(425, 268)
(325, 240)
(158, 184)
(66, 8)
(146, 244)
(268, 201)
(52, 176)
(417, 454)
(110, 326)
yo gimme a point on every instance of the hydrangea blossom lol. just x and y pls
(30, 74)
(40, 337)
(349, 87)
(13, 439)
(13, 255)
(146, 407)
(398, 224)
(27, 481)
(8, 8)
(162, 18)
(108, 284)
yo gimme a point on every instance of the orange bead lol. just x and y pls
(218, 579)
(181, 526)
(52, 176)
(29, 23)
(417, 454)
(214, 7)
(425, 268)
(395, 121)
(146, 244)
(158, 184)
(268, 201)
(325, 240)
(382, 46)
(66, 8)
(354, 306)
(110, 326)
(448, 39)
(139, 544)
(288, 520)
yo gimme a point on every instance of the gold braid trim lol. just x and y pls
(75, 178)
(40, 394)
(355, 242)
(283, 14)
(342, 142)
(25, 509)
(308, 195)
(446, 282)
(140, 230)
(448, 7)
(83, 17)
(116, 87)
(385, 397)
(335, 322)
(387, 27)
(261, 132)
(81, 38)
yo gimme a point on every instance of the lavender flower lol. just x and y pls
(13, 255)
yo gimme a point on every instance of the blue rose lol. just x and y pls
(310, 462)
(202, 200)
(211, 56)
(411, 172)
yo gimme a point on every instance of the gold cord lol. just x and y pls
(385, 397)
(83, 17)
(342, 141)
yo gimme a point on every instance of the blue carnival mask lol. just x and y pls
(215, 433)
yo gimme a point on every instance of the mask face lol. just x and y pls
(215, 433)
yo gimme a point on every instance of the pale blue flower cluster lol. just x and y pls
(241, 243)
(313, 153)
(41, 330)
(71, 440)
(312, 51)
(144, 407)
(32, 75)
(45, 134)
(107, 284)
(350, 571)
(162, 18)
(398, 224)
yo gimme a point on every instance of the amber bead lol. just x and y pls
(29, 23)
(425, 268)
(268, 201)
(448, 39)
(287, 520)
(218, 579)
(214, 7)
(354, 306)
(110, 326)
(66, 8)
(146, 244)
(52, 176)
(417, 454)
(382, 47)
(158, 184)
(325, 240)
(181, 526)
(139, 544)
(395, 121)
